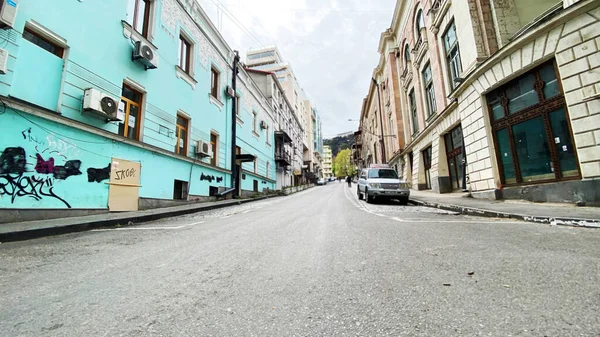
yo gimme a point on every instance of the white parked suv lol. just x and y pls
(380, 181)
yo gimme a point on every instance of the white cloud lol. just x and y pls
(332, 46)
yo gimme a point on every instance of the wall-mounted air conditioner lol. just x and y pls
(204, 149)
(230, 92)
(100, 104)
(263, 125)
(3, 61)
(8, 13)
(146, 54)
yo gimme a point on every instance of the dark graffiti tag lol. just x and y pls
(17, 185)
(207, 178)
(71, 168)
(98, 174)
(123, 174)
(12, 160)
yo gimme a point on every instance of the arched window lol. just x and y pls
(420, 23)
(407, 54)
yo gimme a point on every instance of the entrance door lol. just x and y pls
(455, 155)
(427, 165)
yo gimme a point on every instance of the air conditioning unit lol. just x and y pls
(230, 92)
(263, 125)
(3, 60)
(145, 53)
(204, 149)
(8, 13)
(100, 104)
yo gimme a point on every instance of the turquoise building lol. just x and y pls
(87, 84)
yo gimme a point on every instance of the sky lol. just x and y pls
(330, 44)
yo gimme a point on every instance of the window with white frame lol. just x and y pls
(429, 91)
(139, 16)
(268, 170)
(214, 82)
(254, 122)
(452, 54)
(186, 55)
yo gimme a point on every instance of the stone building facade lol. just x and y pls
(516, 93)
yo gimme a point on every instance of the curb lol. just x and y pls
(558, 221)
(93, 224)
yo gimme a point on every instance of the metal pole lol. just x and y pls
(383, 159)
(234, 173)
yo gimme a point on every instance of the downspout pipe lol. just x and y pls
(234, 173)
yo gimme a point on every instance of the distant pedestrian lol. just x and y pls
(349, 181)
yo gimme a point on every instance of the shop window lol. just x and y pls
(531, 129)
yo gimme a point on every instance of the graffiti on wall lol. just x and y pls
(98, 174)
(210, 178)
(50, 163)
(15, 184)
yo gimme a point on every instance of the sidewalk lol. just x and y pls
(551, 213)
(34, 229)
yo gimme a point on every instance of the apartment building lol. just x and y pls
(500, 99)
(269, 59)
(133, 111)
(327, 162)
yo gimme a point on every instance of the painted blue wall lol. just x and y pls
(99, 56)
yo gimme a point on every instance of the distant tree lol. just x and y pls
(343, 164)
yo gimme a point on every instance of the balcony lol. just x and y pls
(283, 158)
(420, 49)
(283, 137)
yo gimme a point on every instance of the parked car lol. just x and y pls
(380, 181)
(321, 182)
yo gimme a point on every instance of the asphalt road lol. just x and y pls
(317, 263)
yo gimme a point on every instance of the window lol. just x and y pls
(419, 24)
(452, 54)
(214, 82)
(185, 54)
(132, 100)
(43, 42)
(383, 173)
(268, 141)
(181, 133)
(406, 56)
(268, 170)
(531, 129)
(138, 12)
(427, 165)
(413, 111)
(255, 165)
(429, 91)
(238, 109)
(254, 121)
(214, 143)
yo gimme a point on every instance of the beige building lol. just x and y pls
(269, 59)
(510, 88)
(327, 162)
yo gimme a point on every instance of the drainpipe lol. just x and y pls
(383, 159)
(234, 182)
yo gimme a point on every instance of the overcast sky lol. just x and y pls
(331, 45)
